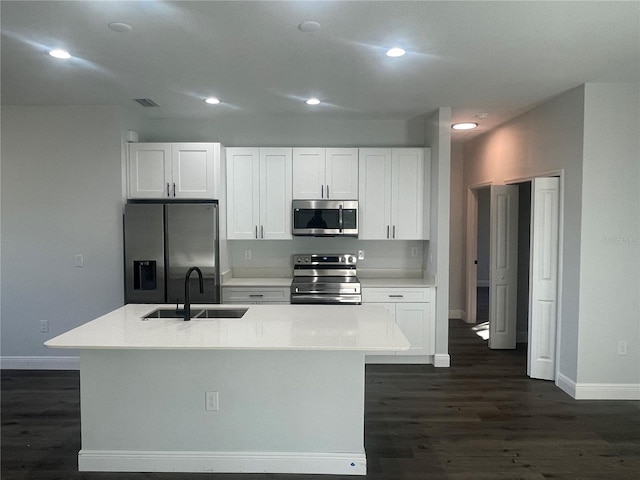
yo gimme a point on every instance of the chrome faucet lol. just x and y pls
(187, 303)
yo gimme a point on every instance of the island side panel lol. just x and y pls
(269, 401)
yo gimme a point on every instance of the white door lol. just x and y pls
(543, 277)
(342, 173)
(309, 173)
(243, 199)
(193, 170)
(407, 194)
(275, 193)
(503, 270)
(149, 170)
(375, 193)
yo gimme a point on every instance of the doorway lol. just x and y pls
(513, 234)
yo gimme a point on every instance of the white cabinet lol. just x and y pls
(173, 170)
(325, 173)
(394, 193)
(259, 193)
(255, 295)
(413, 310)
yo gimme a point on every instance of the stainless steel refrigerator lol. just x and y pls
(161, 242)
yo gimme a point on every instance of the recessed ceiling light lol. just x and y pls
(313, 101)
(59, 53)
(395, 52)
(464, 126)
(309, 26)
(212, 100)
(119, 27)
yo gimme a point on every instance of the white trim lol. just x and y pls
(598, 391)
(40, 363)
(441, 360)
(399, 359)
(458, 315)
(222, 462)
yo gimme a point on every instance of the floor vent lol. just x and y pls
(146, 102)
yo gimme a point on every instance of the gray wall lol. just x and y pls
(591, 134)
(61, 196)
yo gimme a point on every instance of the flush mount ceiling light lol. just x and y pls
(119, 27)
(395, 52)
(59, 53)
(313, 101)
(212, 100)
(309, 26)
(464, 126)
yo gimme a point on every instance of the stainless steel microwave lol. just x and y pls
(325, 218)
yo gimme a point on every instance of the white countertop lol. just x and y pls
(263, 327)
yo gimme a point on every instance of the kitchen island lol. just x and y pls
(280, 390)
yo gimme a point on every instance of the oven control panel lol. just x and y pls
(340, 259)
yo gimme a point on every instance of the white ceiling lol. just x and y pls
(499, 58)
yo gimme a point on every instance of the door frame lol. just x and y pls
(471, 251)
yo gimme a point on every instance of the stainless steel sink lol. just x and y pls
(197, 313)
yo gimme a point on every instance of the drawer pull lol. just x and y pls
(396, 296)
(256, 295)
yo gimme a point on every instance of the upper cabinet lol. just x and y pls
(173, 170)
(259, 193)
(394, 193)
(325, 173)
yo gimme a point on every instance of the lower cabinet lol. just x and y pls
(413, 310)
(255, 295)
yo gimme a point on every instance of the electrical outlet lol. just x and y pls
(79, 261)
(247, 254)
(211, 401)
(360, 254)
(44, 326)
(622, 347)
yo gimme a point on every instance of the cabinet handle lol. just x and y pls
(261, 231)
(256, 295)
(168, 194)
(256, 231)
(387, 231)
(321, 191)
(396, 296)
(328, 191)
(174, 189)
(394, 231)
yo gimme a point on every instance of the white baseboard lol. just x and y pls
(441, 360)
(598, 391)
(399, 359)
(223, 462)
(40, 363)
(458, 315)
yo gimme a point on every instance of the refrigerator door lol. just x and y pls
(144, 253)
(192, 241)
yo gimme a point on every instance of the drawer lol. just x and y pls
(396, 295)
(252, 295)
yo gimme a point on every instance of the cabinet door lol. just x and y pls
(309, 173)
(193, 173)
(149, 170)
(275, 193)
(375, 193)
(407, 194)
(243, 197)
(414, 319)
(342, 173)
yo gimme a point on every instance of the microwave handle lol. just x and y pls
(340, 218)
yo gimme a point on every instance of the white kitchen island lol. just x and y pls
(289, 382)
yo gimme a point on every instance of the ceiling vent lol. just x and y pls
(146, 102)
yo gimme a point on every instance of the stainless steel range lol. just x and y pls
(325, 279)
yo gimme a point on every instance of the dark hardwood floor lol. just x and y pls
(482, 418)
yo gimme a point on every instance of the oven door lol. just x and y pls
(326, 290)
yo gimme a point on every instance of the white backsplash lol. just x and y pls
(272, 258)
